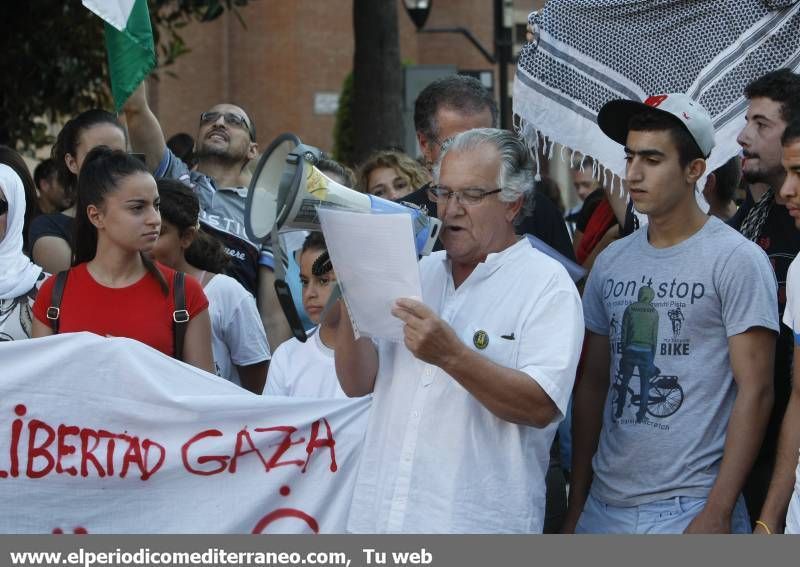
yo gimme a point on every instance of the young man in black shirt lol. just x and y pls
(774, 102)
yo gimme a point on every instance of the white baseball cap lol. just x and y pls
(615, 116)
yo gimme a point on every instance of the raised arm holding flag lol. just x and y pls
(129, 42)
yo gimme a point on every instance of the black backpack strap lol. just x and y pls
(54, 311)
(180, 317)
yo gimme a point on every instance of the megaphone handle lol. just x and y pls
(282, 289)
(287, 305)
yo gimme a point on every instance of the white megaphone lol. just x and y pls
(287, 188)
(284, 194)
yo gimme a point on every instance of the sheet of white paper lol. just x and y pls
(376, 263)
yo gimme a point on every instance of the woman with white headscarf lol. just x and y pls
(19, 277)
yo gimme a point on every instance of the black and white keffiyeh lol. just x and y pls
(590, 51)
(756, 218)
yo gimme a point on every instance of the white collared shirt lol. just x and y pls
(435, 459)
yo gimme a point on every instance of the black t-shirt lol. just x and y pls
(56, 224)
(545, 223)
(780, 239)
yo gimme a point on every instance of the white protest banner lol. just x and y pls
(103, 435)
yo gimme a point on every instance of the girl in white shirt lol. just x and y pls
(238, 340)
(307, 369)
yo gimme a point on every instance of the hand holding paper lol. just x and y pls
(427, 336)
(376, 264)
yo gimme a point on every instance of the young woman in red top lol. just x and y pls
(113, 289)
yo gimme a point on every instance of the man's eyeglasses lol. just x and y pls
(469, 196)
(3, 206)
(231, 119)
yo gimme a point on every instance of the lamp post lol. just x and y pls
(418, 11)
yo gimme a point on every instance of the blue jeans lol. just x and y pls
(670, 516)
(641, 358)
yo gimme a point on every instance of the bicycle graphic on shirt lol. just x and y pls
(676, 318)
(664, 398)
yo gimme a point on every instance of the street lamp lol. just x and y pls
(418, 11)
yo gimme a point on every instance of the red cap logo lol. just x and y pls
(655, 100)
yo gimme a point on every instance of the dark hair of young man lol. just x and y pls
(782, 86)
(655, 121)
(465, 94)
(45, 170)
(728, 177)
(327, 165)
(792, 132)
(181, 208)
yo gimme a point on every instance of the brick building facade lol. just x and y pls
(291, 54)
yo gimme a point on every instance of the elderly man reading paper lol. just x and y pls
(465, 409)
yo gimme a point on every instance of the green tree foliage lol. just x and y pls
(343, 134)
(53, 60)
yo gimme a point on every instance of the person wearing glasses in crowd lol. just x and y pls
(224, 145)
(457, 103)
(465, 410)
(454, 104)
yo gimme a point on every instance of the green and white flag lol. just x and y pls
(129, 42)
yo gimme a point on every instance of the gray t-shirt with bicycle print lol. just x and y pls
(668, 314)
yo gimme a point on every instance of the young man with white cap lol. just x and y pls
(688, 357)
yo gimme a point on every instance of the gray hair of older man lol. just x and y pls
(515, 177)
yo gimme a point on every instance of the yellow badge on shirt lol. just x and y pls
(480, 339)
